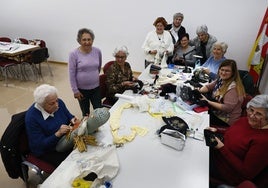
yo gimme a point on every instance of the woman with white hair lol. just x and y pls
(203, 42)
(48, 121)
(176, 29)
(242, 155)
(119, 74)
(212, 64)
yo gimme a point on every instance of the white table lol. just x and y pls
(15, 49)
(145, 162)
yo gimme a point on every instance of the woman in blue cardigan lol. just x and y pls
(48, 121)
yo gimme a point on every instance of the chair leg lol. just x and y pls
(24, 70)
(25, 175)
(37, 72)
(5, 75)
(51, 74)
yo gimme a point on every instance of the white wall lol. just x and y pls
(117, 22)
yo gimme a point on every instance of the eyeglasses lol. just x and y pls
(255, 113)
(225, 70)
(120, 57)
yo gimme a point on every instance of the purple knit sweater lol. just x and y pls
(84, 69)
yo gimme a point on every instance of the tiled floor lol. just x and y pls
(18, 96)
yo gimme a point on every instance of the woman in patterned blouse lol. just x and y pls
(119, 74)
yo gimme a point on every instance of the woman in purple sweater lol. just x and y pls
(243, 153)
(84, 68)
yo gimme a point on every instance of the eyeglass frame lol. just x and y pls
(120, 57)
(251, 112)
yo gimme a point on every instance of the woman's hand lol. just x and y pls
(128, 83)
(78, 96)
(135, 78)
(152, 51)
(204, 98)
(213, 129)
(63, 130)
(220, 143)
(75, 120)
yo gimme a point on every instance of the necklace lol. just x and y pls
(160, 37)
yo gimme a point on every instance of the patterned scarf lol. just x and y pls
(216, 89)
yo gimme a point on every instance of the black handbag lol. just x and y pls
(174, 123)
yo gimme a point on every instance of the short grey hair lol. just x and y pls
(259, 101)
(42, 91)
(202, 29)
(223, 46)
(82, 31)
(176, 15)
(122, 49)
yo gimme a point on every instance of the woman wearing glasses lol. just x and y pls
(119, 74)
(226, 95)
(243, 153)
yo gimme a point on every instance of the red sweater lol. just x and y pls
(244, 155)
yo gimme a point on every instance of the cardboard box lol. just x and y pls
(173, 139)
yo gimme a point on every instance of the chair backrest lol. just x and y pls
(5, 39)
(38, 42)
(106, 66)
(10, 149)
(103, 88)
(24, 41)
(39, 55)
(247, 81)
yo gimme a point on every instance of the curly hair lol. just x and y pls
(82, 31)
(160, 20)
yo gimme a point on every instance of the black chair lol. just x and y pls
(16, 155)
(247, 81)
(37, 57)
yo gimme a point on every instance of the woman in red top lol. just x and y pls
(243, 153)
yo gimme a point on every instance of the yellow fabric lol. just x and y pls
(81, 183)
(115, 125)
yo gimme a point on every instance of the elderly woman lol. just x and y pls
(212, 64)
(85, 64)
(203, 42)
(119, 74)
(176, 29)
(243, 153)
(48, 121)
(158, 43)
(227, 95)
(184, 53)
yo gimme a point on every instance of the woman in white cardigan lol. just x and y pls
(158, 43)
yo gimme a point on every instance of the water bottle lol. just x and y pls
(197, 63)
